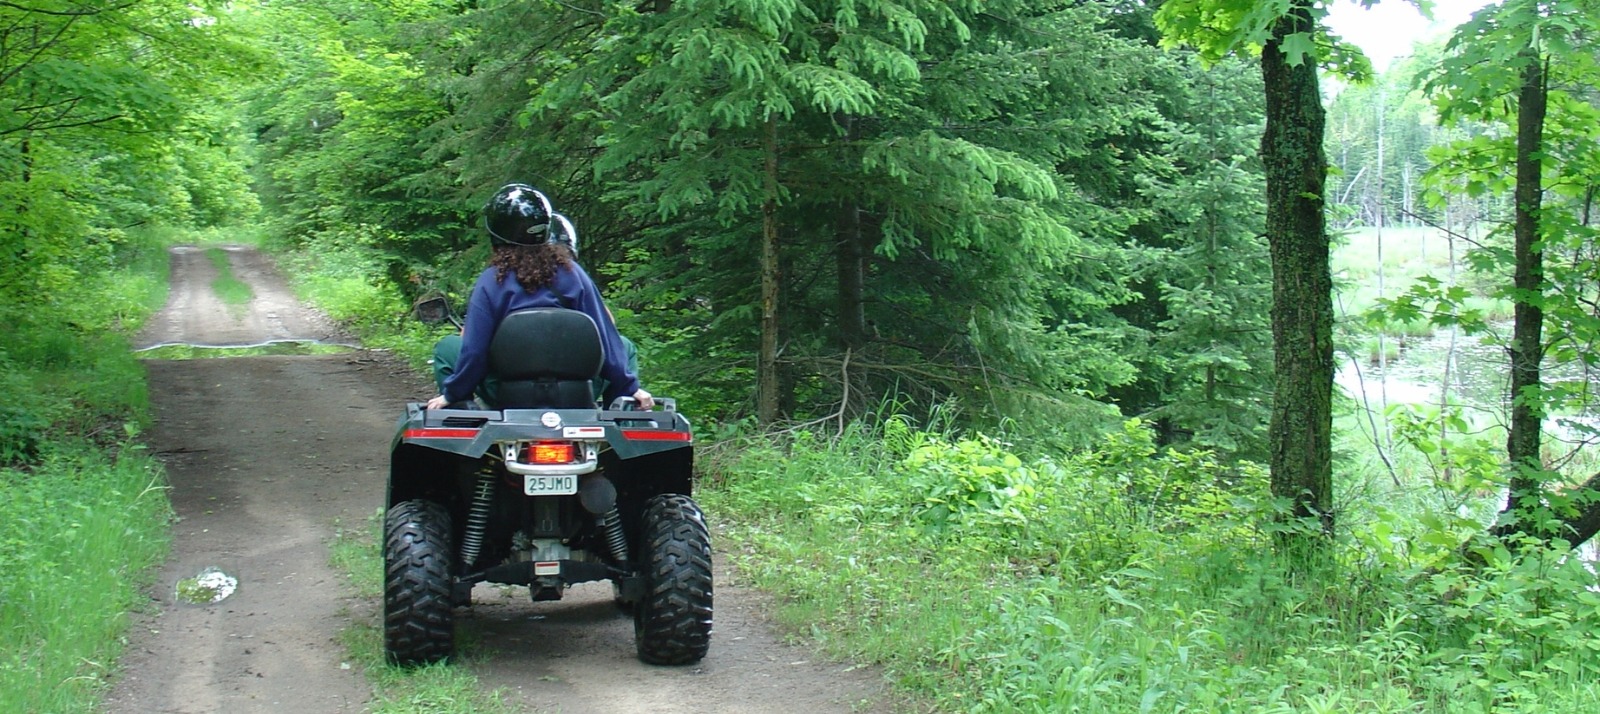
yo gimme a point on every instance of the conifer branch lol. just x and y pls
(575, 8)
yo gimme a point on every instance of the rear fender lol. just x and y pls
(644, 477)
(652, 451)
(416, 471)
(651, 474)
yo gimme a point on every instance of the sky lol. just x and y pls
(1388, 29)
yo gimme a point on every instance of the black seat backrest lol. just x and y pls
(545, 358)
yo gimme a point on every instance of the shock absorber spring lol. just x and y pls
(616, 539)
(477, 520)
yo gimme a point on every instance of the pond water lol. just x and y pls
(1477, 367)
(1476, 373)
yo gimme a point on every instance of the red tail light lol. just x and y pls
(549, 452)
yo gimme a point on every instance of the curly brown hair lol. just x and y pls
(535, 265)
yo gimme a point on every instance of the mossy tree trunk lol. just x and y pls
(767, 398)
(1302, 282)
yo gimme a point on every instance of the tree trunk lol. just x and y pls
(852, 278)
(1527, 349)
(850, 258)
(1302, 281)
(1382, 436)
(767, 358)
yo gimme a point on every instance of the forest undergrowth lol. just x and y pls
(1126, 578)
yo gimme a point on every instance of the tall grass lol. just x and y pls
(79, 534)
(83, 511)
(1125, 579)
(138, 286)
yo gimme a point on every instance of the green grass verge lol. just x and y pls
(79, 534)
(1123, 579)
(83, 510)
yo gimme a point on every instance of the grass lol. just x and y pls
(140, 286)
(83, 510)
(229, 289)
(79, 536)
(1126, 580)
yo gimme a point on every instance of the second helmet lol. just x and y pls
(562, 232)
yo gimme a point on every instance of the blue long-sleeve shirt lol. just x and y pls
(491, 301)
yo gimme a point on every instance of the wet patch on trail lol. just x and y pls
(184, 350)
(210, 587)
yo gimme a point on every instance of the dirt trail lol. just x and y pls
(269, 455)
(194, 315)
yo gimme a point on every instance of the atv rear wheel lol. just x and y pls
(672, 622)
(418, 625)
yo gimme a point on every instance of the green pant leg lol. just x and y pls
(446, 354)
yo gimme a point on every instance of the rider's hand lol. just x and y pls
(646, 402)
(437, 402)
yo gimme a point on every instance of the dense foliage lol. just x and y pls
(111, 116)
(1068, 232)
(1127, 578)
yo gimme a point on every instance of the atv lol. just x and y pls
(544, 488)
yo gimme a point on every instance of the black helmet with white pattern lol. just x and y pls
(518, 215)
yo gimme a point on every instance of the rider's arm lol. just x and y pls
(633, 353)
(620, 381)
(473, 364)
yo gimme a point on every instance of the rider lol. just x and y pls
(447, 351)
(532, 265)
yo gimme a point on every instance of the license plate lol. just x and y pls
(539, 485)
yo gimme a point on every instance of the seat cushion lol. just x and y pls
(546, 358)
